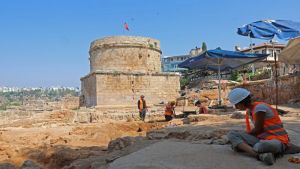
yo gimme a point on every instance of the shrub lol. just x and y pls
(184, 81)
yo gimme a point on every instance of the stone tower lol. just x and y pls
(124, 67)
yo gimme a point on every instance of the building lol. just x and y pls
(170, 63)
(265, 48)
(268, 63)
(124, 67)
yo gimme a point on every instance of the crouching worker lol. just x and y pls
(268, 138)
(200, 108)
(170, 111)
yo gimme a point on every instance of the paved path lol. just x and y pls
(170, 154)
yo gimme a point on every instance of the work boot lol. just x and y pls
(267, 158)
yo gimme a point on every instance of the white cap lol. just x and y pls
(237, 95)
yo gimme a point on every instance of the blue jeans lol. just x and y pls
(143, 114)
(259, 146)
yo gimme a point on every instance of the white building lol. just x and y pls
(268, 63)
(170, 63)
(265, 48)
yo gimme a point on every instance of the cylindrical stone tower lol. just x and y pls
(126, 54)
(124, 67)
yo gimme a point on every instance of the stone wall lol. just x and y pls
(126, 54)
(264, 90)
(70, 102)
(88, 91)
(119, 88)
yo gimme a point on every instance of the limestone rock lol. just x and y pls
(63, 157)
(7, 166)
(92, 162)
(28, 164)
(156, 135)
(121, 143)
(207, 141)
(197, 118)
(82, 117)
(97, 165)
(179, 135)
(222, 141)
(186, 121)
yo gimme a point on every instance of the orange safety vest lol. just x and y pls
(169, 110)
(273, 127)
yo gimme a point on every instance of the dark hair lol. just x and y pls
(246, 101)
(197, 102)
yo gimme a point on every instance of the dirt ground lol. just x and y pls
(198, 141)
(52, 141)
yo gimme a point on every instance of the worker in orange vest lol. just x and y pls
(170, 110)
(268, 138)
(142, 107)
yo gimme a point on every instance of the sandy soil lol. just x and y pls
(53, 143)
(195, 142)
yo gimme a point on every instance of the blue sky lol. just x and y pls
(46, 42)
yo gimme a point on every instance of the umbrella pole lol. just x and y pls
(251, 47)
(219, 87)
(276, 78)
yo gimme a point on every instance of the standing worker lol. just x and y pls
(268, 138)
(170, 110)
(142, 107)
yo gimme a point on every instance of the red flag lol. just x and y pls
(126, 26)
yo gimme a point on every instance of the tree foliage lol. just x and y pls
(235, 76)
(15, 98)
(184, 81)
(204, 47)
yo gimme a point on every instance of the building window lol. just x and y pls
(271, 52)
(264, 51)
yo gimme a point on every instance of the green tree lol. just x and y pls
(184, 81)
(235, 76)
(204, 47)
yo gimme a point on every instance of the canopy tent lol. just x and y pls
(291, 53)
(268, 29)
(220, 60)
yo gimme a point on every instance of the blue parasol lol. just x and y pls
(221, 60)
(268, 29)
